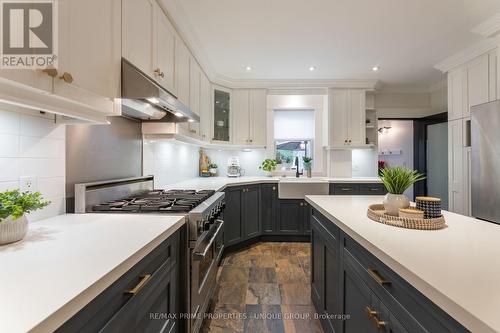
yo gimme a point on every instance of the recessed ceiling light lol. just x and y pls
(375, 68)
(312, 68)
(248, 68)
(178, 114)
(191, 120)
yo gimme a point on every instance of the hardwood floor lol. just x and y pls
(264, 288)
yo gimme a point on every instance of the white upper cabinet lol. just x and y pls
(138, 30)
(194, 85)
(249, 122)
(456, 165)
(241, 116)
(493, 76)
(258, 117)
(164, 62)
(478, 82)
(85, 76)
(347, 116)
(182, 74)
(205, 107)
(457, 93)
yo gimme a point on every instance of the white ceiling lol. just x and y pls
(343, 39)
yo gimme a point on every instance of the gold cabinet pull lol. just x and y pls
(370, 313)
(159, 73)
(144, 279)
(52, 72)
(67, 77)
(378, 323)
(377, 277)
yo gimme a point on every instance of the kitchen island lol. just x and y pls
(437, 276)
(65, 262)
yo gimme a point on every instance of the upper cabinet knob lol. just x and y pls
(159, 73)
(52, 72)
(67, 77)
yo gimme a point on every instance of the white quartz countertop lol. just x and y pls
(66, 261)
(220, 183)
(455, 267)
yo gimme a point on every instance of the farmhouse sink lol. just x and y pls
(298, 188)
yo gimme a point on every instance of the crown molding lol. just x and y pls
(466, 55)
(489, 28)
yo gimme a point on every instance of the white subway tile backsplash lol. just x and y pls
(41, 127)
(9, 169)
(9, 122)
(33, 145)
(36, 147)
(9, 145)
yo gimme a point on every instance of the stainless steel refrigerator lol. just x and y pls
(485, 164)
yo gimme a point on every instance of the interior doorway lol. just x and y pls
(437, 162)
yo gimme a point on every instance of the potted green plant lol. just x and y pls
(268, 165)
(308, 165)
(212, 168)
(396, 181)
(14, 206)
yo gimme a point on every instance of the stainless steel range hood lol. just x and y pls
(144, 99)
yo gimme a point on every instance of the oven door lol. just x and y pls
(205, 259)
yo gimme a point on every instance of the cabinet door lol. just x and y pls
(258, 114)
(194, 85)
(317, 268)
(138, 31)
(165, 52)
(306, 225)
(356, 118)
(83, 76)
(182, 63)
(357, 297)
(290, 216)
(457, 93)
(332, 283)
(269, 207)
(233, 232)
(205, 107)
(493, 76)
(221, 115)
(478, 82)
(32, 78)
(241, 119)
(339, 105)
(250, 211)
(456, 166)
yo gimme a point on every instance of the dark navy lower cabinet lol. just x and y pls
(250, 211)
(293, 217)
(349, 281)
(144, 299)
(357, 189)
(233, 231)
(269, 208)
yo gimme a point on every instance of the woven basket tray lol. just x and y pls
(377, 214)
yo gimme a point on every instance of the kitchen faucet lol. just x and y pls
(297, 173)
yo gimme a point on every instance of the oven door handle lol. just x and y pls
(200, 254)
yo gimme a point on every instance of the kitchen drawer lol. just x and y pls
(329, 227)
(344, 189)
(372, 189)
(95, 315)
(416, 312)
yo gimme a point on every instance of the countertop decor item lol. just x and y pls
(430, 206)
(308, 165)
(396, 181)
(378, 213)
(212, 168)
(411, 213)
(268, 165)
(14, 206)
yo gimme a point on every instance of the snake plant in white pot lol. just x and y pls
(397, 180)
(14, 206)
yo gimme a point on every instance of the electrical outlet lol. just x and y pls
(28, 184)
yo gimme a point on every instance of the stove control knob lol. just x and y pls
(206, 226)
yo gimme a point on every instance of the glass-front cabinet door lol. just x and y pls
(222, 109)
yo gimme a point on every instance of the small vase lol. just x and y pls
(308, 169)
(393, 202)
(13, 230)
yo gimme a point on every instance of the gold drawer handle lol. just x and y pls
(67, 77)
(345, 189)
(144, 279)
(370, 313)
(52, 72)
(378, 323)
(377, 277)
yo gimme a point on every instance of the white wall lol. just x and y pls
(364, 163)
(33, 145)
(403, 105)
(399, 137)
